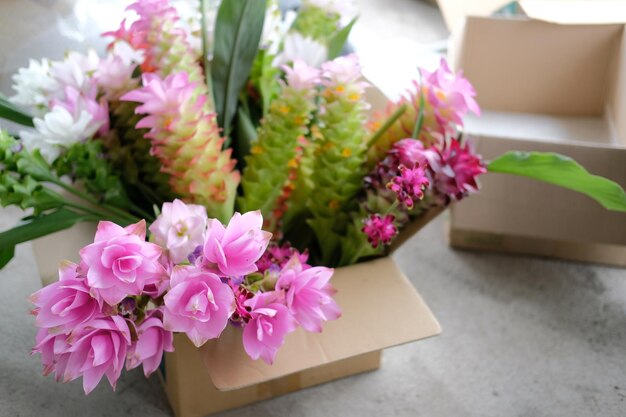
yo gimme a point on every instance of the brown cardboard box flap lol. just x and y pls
(576, 11)
(380, 309)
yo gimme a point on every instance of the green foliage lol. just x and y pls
(10, 111)
(563, 171)
(315, 22)
(237, 34)
(339, 39)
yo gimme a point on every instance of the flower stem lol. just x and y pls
(392, 119)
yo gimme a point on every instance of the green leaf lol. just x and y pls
(246, 135)
(336, 43)
(11, 112)
(6, 254)
(237, 35)
(562, 171)
(39, 226)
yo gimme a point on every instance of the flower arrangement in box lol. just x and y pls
(231, 162)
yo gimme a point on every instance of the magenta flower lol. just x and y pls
(308, 295)
(120, 262)
(409, 186)
(410, 152)
(65, 304)
(456, 170)
(152, 341)
(180, 228)
(269, 324)
(233, 250)
(93, 351)
(198, 303)
(278, 256)
(379, 229)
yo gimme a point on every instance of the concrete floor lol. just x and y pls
(522, 336)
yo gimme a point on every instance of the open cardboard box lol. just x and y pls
(551, 80)
(220, 376)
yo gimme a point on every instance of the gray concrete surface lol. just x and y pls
(522, 337)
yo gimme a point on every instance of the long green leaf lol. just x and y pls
(562, 171)
(10, 111)
(6, 255)
(236, 42)
(336, 43)
(40, 226)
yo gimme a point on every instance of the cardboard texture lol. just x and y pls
(549, 83)
(345, 347)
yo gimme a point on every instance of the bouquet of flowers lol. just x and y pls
(228, 154)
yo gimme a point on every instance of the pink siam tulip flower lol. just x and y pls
(76, 101)
(180, 228)
(451, 95)
(308, 294)
(198, 303)
(152, 341)
(233, 250)
(279, 256)
(342, 71)
(301, 76)
(120, 262)
(270, 321)
(409, 185)
(65, 304)
(159, 97)
(379, 230)
(456, 170)
(93, 351)
(114, 75)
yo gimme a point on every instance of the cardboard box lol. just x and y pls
(553, 80)
(380, 309)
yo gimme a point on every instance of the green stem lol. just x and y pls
(205, 52)
(98, 215)
(420, 116)
(392, 119)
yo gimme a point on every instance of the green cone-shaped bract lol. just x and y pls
(281, 133)
(340, 150)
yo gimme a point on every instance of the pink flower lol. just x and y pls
(234, 250)
(180, 228)
(301, 76)
(270, 321)
(308, 295)
(278, 256)
(77, 101)
(410, 152)
(409, 185)
(198, 303)
(65, 304)
(152, 341)
(168, 97)
(456, 169)
(93, 351)
(450, 95)
(379, 229)
(342, 70)
(120, 262)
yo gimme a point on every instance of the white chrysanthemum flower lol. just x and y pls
(34, 86)
(76, 69)
(345, 8)
(275, 27)
(58, 130)
(298, 47)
